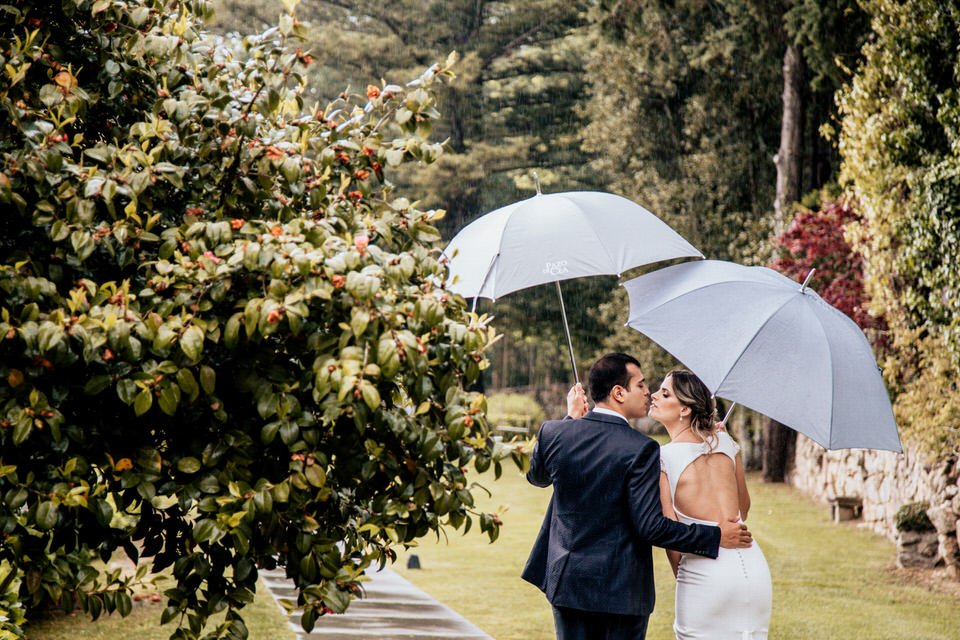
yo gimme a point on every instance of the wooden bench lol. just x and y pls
(845, 508)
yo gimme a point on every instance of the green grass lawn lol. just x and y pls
(264, 621)
(829, 581)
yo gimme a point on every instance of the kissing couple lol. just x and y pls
(617, 493)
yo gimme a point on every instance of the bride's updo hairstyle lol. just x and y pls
(691, 392)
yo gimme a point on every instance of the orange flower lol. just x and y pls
(276, 231)
(305, 58)
(338, 281)
(65, 79)
(107, 355)
(15, 378)
(236, 224)
(372, 92)
(361, 174)
(123, 464)
(195, 211)
(274, 153)
(356, 195)
(361, 242)
(274, 316)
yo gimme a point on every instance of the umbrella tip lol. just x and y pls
(803, 287)
(536, 182)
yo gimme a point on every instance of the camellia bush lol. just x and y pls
(225, 342)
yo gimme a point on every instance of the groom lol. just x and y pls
(592, 556)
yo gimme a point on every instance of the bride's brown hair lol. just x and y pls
(692, 393)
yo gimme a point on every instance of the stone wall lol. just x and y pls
(884, 481)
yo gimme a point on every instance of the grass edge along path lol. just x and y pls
(264, 619)
(829, 581)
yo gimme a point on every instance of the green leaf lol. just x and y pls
(47, 515)
(21, 430)
(96, 385)
(124, 603)
(49, 336)
(143, 402)
(169, 614)
(208, 379)
(289, 432)
(103, 512)
(16, 499)
(188, 465)
(169, 399)
(309, 618)
(370, 395)
(231, 334)
(359, 321)
(188, 383)
(316, 476)
(127, 390)
(388, 357)
(191, 342)
(269, 432)
(204, 530)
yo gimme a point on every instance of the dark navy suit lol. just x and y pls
(593, 552)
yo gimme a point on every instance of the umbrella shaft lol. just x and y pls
(729, 411)
(566, 328)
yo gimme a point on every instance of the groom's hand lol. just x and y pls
(734, 535)
(577, 402)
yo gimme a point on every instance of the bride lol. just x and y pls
(702, 481)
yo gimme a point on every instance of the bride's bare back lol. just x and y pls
(712, 488)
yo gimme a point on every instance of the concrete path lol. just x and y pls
(393, 609)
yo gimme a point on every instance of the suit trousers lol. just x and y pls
(574, 624)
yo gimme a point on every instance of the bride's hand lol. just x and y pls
(577, 401)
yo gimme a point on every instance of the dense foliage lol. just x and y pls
(224, 338)
(701, 82)
(816, 240)
(899, 143)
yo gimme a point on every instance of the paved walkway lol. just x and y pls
(393, 609)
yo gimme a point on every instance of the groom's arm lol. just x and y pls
(537, 475)
(643, 490)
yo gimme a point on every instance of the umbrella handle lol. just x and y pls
(566, 327)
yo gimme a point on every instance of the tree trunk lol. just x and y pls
(790, 156)
(779, 446)
(778, 440)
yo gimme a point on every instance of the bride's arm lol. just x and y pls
(667, 505)
(743, 495)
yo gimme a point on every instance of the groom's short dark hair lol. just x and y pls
(608, 372)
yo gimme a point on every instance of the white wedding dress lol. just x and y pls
(726, 598)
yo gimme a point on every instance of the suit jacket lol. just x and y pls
(593, 551)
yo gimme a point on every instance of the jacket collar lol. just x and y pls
(606, 418)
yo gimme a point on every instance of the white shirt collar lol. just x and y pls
(609, 412)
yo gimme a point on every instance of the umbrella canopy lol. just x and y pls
(554, 237)
(758, 338)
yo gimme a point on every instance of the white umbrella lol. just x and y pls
(760, 339)
(554, 237)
